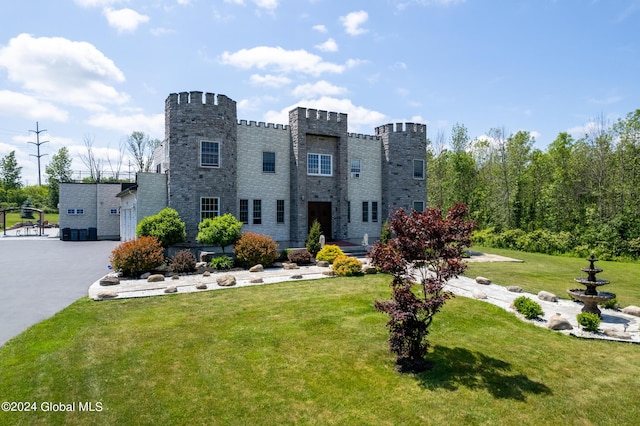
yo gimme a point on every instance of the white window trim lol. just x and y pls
(217, 212)
(219, 155)
(413, 168)
(320, 164)
(359, 172)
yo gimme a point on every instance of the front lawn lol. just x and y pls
(308, 352)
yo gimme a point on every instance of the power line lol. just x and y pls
(37, 144)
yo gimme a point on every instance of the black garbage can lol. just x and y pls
(93, 234)
(66, 234)
(74, 235)
(82, 234)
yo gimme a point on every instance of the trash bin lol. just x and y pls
(82, 234)
(66, 234)
(93, 234)
(74, 235)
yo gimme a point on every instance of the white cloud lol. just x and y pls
(606, 100)
(401, 5)
(328, 46)
(281, 60)
(95, 3)
(320, 88)
(320, 28)
(61, 70)
(21, 105)
(160, 31)
(353, 21)
(124, 20)
(267, 4)
(238, 2)
(352, 63)
(360, 119)
(269, 80)
(153, 125)
(183, 2)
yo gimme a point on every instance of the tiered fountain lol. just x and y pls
(590, 297)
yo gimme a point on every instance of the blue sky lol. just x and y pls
(101, 69)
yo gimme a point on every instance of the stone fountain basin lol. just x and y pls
(586, 282)
(601, 297)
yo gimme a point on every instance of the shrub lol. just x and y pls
(527, 307)
(220, 231)
(385, 233)
(329, 252)
(313, 239)
(166, 226)
(589, 320)
(136, 257)
(611, 304)
(221, 263)
(183, 261)
(252, 249)
(345, 266)
(300, 256)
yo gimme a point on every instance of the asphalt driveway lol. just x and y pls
(41, 276)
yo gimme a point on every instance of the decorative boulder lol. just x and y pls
(557, 322)
(145, 275)
(206, 274)
(632, 310)
(547, 297)
(477, 294)
(256, 268)
(171, 289)
(106, 295)
(296, 277)
(155, 278)
(290, 265)
(369, 270)
(226, 281)
(483, 280)
(515, 289)
(329, 273)
(175, 277)
(623, 335)
(201, 286)
(323, 264)
(110, 280)
(256, 281)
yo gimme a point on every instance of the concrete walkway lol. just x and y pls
(463, 286)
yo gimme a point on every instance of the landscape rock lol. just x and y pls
(323, 264)
(369, 269)
(329, 273)
(256, 268)
(110, 280)
(547, 297)
(175, 277)
(483, 280)
(155, 278)
(201, 286)
(171, 289)
(226, 281)
(632, 310)
(558, 322)
(515, 289)
(106, 295)
(296, 277)
(617, 334)
(290, 265)
(206, 274)
(256, 281)
(477, 294)
(145, 275)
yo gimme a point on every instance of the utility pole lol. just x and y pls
(37, 144)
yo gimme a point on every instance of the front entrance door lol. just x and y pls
(320, 211)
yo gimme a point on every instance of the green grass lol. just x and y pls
(14, 217)
(556, 274)
(309, 352)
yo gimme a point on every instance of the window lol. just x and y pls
(79, 211)
(355, 168)
(209, 154)
(418, 206)
(418, 169)
(71, 211)
(319, 164)
(268, 162)
(114, 212)
(365, 211)
(244, 211)
(209, 207)
(257, 212)
(279, 211)
(374, 211)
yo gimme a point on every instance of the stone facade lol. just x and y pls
(278, 178)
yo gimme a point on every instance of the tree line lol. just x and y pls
(584, 193)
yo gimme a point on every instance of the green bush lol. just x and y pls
(589, 320)
(527, 307)
(166, 226)
(345, 266)
(385, 233)
(611, 304)
(136, 257)
(300, 256)
(183, 261)
(329, 252)
(252, 249)
(484, 237)
(313, 239)
(220, 231)
(221, 263)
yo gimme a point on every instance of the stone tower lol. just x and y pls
(404, 149)
(197, 174)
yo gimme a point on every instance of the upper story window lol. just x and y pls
(268, 162)
(114, 211)
(356, 167)
(319, 165)
(418, 169)
(209, 154)
(75, 211)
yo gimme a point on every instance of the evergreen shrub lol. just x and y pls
(221, 263)
(527, 307)
(589, 320)
(329, 252)
(345, 266)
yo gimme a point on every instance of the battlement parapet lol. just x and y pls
(321, 115)
(363, 136)
(402, 128)
(263, 125)
(196, 98)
